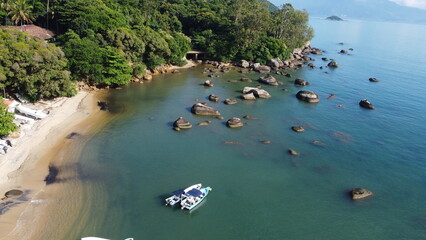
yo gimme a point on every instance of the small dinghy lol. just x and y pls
(194, 197)
(180, 194)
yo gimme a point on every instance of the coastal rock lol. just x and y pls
(234, 123)
(366, 104)
(214, 98)
(175, 71)
(266, 141)
(263, 69)
(205, 123)
(147, 77)
(244, 64)
(360, 193)
(230, 101)
(276, 63)
(249, 96)
(343, 51)
(308, 96)
(208, 83)
(258, 93)
(301, 82)
(297, 128)
(182, 123)
(244, 79)
(250, 117)
(293, 152)
(316, 51)
(373, 80)
(268, 79)
(333, 64)
(288, 75)
(203, 109)
(325, 59)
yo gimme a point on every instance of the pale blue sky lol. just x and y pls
(408, 3)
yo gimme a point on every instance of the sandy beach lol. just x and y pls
(41, 145)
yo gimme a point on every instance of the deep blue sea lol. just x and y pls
(259, 190)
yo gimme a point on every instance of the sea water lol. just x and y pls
(259, 190)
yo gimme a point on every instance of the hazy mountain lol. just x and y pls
(380, 10)
(272, 7)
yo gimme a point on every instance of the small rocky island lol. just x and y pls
(334, 18)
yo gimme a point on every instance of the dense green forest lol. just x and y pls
(109, 42)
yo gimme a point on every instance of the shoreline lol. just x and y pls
(26, 165)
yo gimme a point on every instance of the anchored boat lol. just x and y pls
(181, 194)
(194, 197)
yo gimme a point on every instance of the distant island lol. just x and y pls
(334, 18)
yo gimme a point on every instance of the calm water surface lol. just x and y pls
(259, 190)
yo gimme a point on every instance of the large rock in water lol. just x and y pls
(276, 63)
(308, 96)
(268, 79)
(213, 98)
(208, 83)
(258, 93)
(203, 109)
(182, 123)
(366, 104)
(333, 64)
(234, 123)
(360, 193)
(244, 64)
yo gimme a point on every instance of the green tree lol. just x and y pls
(6, 120)
(20, 11)
(291, 26)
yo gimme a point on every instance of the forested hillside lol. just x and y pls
(108, 42)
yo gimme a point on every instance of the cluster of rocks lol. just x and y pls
(298, 58)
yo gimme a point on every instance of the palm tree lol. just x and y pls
(21, 12)
(5, 5)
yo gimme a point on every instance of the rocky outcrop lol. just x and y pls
(325, 59)
(208, 83)
(276, 63)
(301, 82)
(343, 51)
(244, 79)
(333, 64)
(366, 104)
(214, 98)
(230, 101)
(293, 152)
(373, 80)
(268, 79)
(234, 123)
(182, 123)
(360, 193)
(308, 96)
(203, 109)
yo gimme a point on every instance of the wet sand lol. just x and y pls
(44, 166)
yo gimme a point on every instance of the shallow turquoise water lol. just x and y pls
(259, 190)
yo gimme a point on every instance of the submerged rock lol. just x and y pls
(373, 80)
(333, 64)
(234, 123)
(366, 104)
(293, 152)
(230, 101)
(360, 193)
(268, 79)
(308, 96)
(182, 123)
(301, 82)
(244, 79)
(331, 96)
(103, 105)
(203, 109)
(297, 128)
(214, 98)
(208, 83)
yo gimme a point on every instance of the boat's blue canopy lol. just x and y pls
(178, 192)
(195, 192)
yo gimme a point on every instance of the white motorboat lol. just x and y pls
(37, 114)
(180, 194)
(194, 197)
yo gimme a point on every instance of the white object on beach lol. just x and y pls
(23, 118)
(37, 114)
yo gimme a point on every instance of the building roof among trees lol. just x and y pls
(33, 30)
